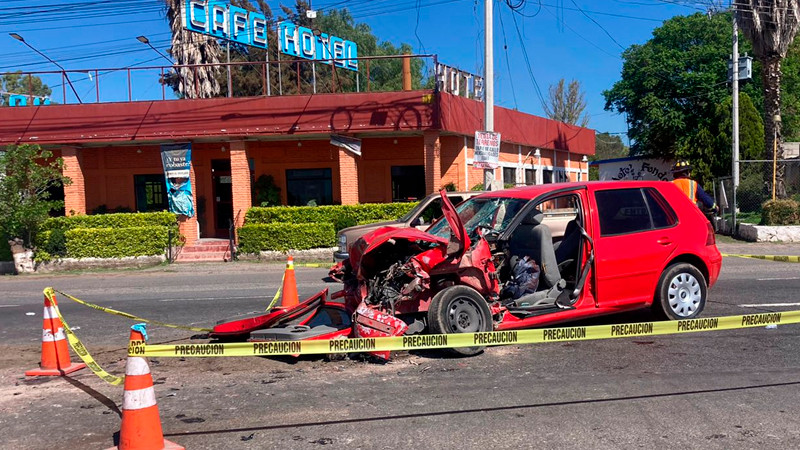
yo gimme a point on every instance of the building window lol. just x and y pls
(547, 176)
(530, 176)
(408, 183)
(151, 193)
(309, 185)
(509, 176)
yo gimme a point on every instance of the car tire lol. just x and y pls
(681, 293)
(459, 309)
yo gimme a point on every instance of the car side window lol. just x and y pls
(662, 213)
(622, 211)
(431, 212)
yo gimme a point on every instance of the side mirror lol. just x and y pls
(416, 222)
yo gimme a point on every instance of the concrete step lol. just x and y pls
(203, 257)
(207, 248)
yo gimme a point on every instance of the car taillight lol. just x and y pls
(710, 238)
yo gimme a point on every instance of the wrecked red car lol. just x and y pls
(520, 258)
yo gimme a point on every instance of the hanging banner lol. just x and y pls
(634, 168)
(487, 150)
(177, 162)
(348, 143)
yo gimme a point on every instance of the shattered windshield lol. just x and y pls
(492, 213)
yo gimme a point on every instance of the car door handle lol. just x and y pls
(664, 241)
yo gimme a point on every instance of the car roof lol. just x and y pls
(533, 191)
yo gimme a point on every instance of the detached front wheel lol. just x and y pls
(681, 293)
(459, 309)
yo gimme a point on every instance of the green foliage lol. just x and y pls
(477, 187)
(339, 216)
(17, 83)
(567, 105)
(285, 236)
(5, 250)
(51, 242)
(671, 87)
(790, 94)
(608, 146)
(781, 212)
(266, 191)
(751, 192)
(116, 242)
(28, 171)
(449, 187)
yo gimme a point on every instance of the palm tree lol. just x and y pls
(771, 26)
(189, 47)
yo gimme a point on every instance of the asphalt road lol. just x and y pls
(729, 389)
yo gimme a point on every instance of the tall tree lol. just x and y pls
(608, 146)
(771, 26)
(671, 87)
(191, 48)
(17, 83)
(567, 105)
(27, 172)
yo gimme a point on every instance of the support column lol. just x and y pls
(240, 177)
(75, 192)
(348, 177)
(433, 161)
(188, 226)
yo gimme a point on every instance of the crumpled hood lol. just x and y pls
(376, 238)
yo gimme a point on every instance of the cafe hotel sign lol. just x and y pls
(221, 20)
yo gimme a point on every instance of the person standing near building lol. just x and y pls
(692, 189)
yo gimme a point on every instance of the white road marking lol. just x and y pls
(768, 305)
(209, 298)
(776, 279)
(8, 306)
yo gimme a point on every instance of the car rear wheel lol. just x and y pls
(459, 309)
(681, 293)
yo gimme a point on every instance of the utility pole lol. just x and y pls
(735, 89)
(488, 80)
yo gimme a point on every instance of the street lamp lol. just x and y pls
(776, 122)
(63, 71)
(144, 40)
(585, 160)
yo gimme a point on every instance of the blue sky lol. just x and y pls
(570, 39)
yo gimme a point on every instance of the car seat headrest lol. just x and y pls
(535, 217)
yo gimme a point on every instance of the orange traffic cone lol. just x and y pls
(141, 425)
(55, 352)
(289, 288)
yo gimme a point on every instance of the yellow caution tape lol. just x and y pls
(80, 349)
(781, 258)
(129, 316)
(277, 294)
(431, 341)
(313, 264)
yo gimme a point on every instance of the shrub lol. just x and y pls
(254, 238)
(116, 242)
(781, 212)
(117, 220)
(340, 216)
(5, 250)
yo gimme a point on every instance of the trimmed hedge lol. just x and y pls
(116, 220)
(255, 238)
(340, 216)
(51, 241)
(116, 242)
(781, 212)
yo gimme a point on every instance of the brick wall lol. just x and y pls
(433, 161)
(348, 177)
(240, 174)
(75, 192)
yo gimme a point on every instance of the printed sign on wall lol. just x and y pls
(487, 150)
(177, 162)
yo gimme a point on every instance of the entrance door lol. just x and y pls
(223, 196)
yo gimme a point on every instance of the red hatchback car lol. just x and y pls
(521, 258)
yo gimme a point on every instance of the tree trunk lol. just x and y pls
(771, 77)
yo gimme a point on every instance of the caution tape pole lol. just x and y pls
(436, 341)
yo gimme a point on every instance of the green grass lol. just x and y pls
(749, 217)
